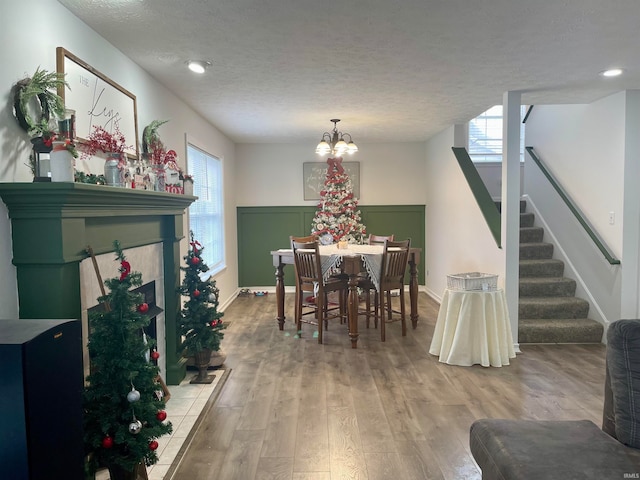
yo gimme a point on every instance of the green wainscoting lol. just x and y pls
(263, 229)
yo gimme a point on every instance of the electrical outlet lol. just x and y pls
(612, 218)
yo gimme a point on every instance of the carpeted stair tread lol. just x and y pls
(540, 250)
(526, 219)
(531, 234)
(569, 330)
(547, 267)
(547, 287)
(552, 307)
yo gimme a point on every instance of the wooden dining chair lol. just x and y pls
(367, 286)
(309, 278)
(394, 265)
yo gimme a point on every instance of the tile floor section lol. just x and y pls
(183, 408)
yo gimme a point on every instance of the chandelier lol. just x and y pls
(333, 142)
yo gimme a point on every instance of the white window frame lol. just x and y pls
(485, 136)
(206, 214)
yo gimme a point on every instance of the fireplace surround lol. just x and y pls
(53, 223)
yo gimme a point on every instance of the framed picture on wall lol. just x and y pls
(314, 175)
(97, 101)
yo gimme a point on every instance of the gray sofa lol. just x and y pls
(546, 450)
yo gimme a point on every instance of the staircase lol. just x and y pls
(548, 311)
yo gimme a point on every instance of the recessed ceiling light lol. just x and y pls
(613, 72)
(198, 66)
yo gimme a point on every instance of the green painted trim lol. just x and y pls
(483, 198)
(264, 229)
(53, 223)
(574, 209)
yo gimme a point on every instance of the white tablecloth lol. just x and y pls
(331, 258)
(473, 328)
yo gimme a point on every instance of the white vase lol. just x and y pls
(61, 162)
(188, 187)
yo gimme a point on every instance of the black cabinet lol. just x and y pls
(41, 399)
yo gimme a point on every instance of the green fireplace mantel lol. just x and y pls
(53, 223)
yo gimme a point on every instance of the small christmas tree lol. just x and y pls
(123, 403)
(337, 213)
(200, 320)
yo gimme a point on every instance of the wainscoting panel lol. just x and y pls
(263, 229)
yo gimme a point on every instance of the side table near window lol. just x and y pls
(473, 328)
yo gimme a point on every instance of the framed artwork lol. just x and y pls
(314, 175)
(97, 100)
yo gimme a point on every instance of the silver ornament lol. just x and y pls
(135, 427)
(133, 395)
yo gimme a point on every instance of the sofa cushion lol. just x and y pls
(623, 368)
(543, 450)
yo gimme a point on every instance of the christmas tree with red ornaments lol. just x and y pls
(124, 410)
(338, 218)
(200, 321)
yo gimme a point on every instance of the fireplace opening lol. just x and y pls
(148, 292)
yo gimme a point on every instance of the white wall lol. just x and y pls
(583, 147)
(592, 152)
(491, 175)
(271, 174)
(457, 236)
(31, 31)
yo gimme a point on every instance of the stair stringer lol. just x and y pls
(582, 291)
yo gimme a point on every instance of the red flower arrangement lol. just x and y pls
(100, 140)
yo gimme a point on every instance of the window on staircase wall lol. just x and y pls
(485, 136)
(206, 214)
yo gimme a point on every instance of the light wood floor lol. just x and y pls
(293, 409)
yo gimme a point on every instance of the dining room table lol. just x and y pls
(354, 260)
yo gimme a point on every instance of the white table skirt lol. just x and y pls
(473, 328)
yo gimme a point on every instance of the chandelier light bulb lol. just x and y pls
(323, 148)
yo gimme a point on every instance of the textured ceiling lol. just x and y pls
(390, 69)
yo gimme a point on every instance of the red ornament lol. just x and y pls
(196, 293)
(153, 445)
(195, 260)
(155, 355)
(107, 442)
(143, 308)
(125, 268)
(161, 415)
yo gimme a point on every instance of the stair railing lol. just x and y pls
(487, 206)
(574, 209)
